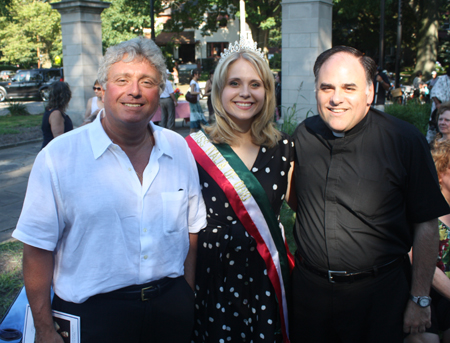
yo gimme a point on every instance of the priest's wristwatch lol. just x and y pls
(423, 301)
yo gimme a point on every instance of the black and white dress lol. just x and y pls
(235, 299)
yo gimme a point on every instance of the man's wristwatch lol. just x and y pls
(424, 301)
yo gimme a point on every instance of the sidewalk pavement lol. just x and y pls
(15, 167)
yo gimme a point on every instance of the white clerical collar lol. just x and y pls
(338, 134)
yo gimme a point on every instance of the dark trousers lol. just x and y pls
(167, 113)
(368, 310)
(166, 318)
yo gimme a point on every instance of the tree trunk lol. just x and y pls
(427, 40)
(261, 37)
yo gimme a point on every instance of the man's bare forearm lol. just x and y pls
(191, 260)
(38, 273)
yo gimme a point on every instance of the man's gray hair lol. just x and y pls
(136, 48)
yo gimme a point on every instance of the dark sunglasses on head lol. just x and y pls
(97, 88)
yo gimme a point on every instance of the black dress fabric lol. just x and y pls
(46, 129)
(235, 299)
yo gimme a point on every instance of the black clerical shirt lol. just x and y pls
(358, 195)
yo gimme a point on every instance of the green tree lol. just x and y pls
(124, 20)
(32, 31)
(356, 23)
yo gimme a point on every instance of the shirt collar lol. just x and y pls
(321, 128)
(100, 141)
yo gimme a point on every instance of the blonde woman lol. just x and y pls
(244, 163)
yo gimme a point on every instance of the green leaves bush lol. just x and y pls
(413, 112)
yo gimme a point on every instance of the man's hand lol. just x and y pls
(50, 336)
(416, 318)
(379, 78)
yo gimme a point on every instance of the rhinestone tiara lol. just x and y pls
(243, 44)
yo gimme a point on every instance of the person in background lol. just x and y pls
(440, 292)
(94, 104)
(168, 102)
(111, 215)
(417, 80)
(176, 79)
(245, 165)
(278, 95)
(197, 117)
(54, 121)
(443, 121)
(208, 88)
(381, 86)
(367, 192)
(439, 94)
(433, 80)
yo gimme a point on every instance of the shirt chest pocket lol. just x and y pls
(175, 205)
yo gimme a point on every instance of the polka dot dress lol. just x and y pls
(235, 299)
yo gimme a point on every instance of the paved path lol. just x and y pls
(15, 167)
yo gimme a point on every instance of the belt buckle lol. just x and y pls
(142, 293)
(331, 272)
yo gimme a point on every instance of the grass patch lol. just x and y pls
(11, 278)
(10, 124)
(413, 112)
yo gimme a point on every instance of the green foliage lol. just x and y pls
(413, 112)
(444, 54)
(10, 124)
(124, 20)
(356, 23)
(17, 109)
(11, 280)
(275, 61)
(33, 27)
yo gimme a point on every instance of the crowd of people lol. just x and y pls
(149, 237)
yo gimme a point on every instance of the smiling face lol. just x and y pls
(132, 92)
(444, 123)
(244, 93)
(342, 94)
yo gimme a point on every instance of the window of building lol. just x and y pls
(215, 49)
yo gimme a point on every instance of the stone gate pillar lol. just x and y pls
(306, 32)
(81, 28)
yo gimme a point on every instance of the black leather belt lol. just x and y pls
(142, 292)
(343, 276)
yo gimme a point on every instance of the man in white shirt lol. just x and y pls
(111, 215)
(168, 102)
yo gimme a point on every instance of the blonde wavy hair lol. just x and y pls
(262, 130)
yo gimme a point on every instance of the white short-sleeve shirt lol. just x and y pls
(167, 91)
(84, 202)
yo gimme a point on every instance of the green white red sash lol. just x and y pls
(251, 204)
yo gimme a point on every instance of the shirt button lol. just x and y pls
(145, 229)
(145, 257)
(129, 169)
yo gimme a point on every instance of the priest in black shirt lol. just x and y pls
(367, 192)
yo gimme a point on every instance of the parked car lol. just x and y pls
(184, 72)
(6, 74)
(33, 83)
